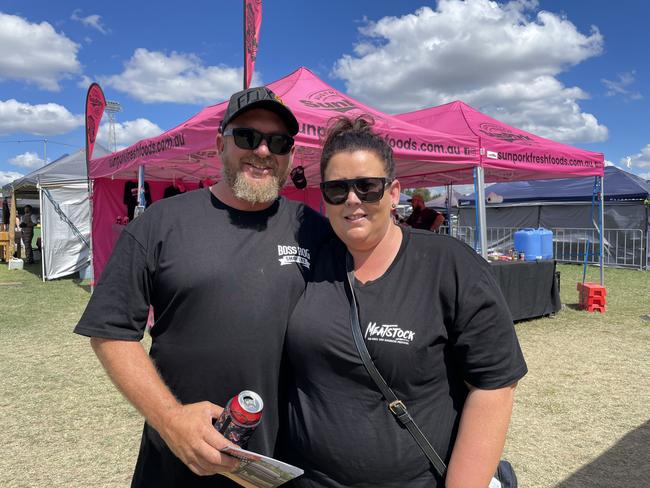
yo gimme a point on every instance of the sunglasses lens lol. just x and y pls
(369, 190)
(335, 192)
(247, 138)
(280, 143)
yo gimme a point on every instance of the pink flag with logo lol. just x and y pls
(252, 24)
(95, 104)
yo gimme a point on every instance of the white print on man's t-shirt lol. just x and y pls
(388, 333)
(294, 254)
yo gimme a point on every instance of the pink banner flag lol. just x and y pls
(252, 24)
(95, 104)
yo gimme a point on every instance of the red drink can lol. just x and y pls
(241, 416)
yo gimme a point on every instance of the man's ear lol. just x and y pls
(220, 142)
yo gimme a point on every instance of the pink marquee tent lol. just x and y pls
(507, 153)
(424, 157)
(436, 146)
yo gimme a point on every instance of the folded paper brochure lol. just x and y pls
(257, 471)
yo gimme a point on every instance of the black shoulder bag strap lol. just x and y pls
(395, 405)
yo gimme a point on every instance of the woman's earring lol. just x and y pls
(393, 206)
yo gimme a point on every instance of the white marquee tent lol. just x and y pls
(62, 189)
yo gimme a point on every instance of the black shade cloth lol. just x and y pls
(530, 288)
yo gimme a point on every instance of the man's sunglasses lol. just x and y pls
(368, 189)
(246, 138)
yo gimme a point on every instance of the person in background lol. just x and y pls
(222, 268)
(18, 238)
(434, 321)
(27, 223)
(423, 217)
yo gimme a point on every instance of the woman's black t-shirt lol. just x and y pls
(434, 320)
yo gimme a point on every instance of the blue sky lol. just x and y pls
(573, 71)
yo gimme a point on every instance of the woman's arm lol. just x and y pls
(481, 436)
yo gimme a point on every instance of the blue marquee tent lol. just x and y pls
(566, 204)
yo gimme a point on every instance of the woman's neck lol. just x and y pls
(370, 264)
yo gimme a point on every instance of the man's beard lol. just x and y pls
(252, 191)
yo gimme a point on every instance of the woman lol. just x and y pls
(435, 324)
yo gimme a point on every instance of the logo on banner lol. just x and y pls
(329, 100)
(253, 20)
(91, 129)
(388, 333)
(504, 134)
(294, 254)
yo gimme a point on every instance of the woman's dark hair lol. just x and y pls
(348, 135)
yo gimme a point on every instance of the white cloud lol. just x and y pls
(93, 21)
(152, 76)
(494, 56)
(44, 119)
(35, 53)
(621, 86)
(29, 160)
(645, 176)
(126, 133)
(640, 160)
(8, 177)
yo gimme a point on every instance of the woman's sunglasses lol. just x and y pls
(246, 138)
(368, 189)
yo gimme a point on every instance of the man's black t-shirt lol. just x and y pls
(435, 319)
(221, 295)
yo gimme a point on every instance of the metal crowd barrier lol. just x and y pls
(623, 248)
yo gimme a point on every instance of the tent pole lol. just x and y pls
(450, 193)
(479, 177)
(602, 230)
(40, 201)
(141, 198)
(13, 211)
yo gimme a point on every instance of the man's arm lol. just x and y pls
(187, 429)
(438, 220)
(481, 437)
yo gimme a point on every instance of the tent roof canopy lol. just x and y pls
(508, 153)
(432, 147)
(619, 186)
(69, 167)
(425, 157)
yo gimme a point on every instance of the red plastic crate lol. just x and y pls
(586, 300)
(594, 289)
(596, 308)
(592, 297)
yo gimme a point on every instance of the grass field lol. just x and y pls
(581, 419)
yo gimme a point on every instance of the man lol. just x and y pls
(423, 217)
(27, 223)
(221, 298)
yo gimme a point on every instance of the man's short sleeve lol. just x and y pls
(119, 306)
(484, 341)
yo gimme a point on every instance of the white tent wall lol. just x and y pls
(65, 221)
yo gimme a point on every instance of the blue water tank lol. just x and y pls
(528, 241)
(546, 237)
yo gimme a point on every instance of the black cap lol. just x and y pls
(259, 97)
